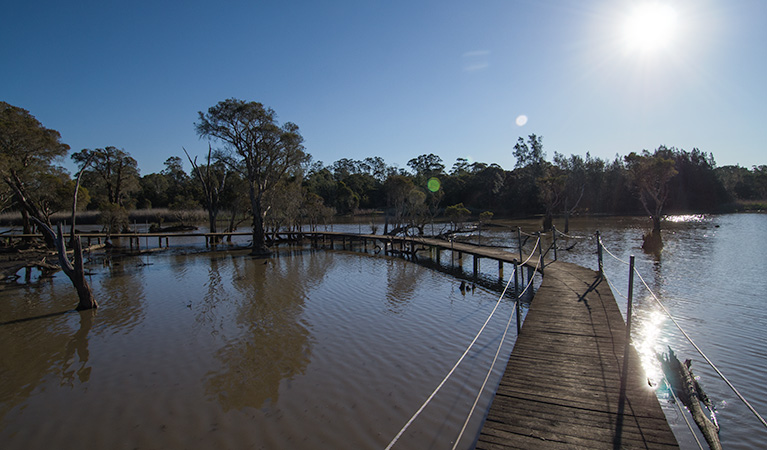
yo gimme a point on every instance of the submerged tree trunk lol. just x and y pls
(76, 272)
(652, 241)
(259, 233)
(689, 392)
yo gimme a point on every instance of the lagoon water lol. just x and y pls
(318, 349)
(309, 349)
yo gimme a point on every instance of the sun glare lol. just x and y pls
(650, 26)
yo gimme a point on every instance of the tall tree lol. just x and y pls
(212, 177)
(28, 150)
(252, 138)
(650, 174)
(113, 174)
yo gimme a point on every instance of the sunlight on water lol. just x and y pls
(647, 340)
(682, 218)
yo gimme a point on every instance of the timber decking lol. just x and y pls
(562, 385)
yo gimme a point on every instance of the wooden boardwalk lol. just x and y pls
(563, 385)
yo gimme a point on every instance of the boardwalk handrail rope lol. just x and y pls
(610, 253)
(455, 366)
(571, 237)
(689, 339)
(710, 363)
(490, 370)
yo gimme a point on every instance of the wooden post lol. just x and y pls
(519, 319)
(519, 242)
(476, 265)
(516, 279)
(500, 270)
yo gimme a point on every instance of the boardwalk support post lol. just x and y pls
(519, 242)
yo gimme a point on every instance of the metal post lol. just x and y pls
(519, 242)
(599, 254)
(540, 252)
(516, 279)
(554, 240)
(630, 300)
(519, 319)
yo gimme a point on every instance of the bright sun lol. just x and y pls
(650, 27)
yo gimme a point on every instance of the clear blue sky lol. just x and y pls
(395, 78)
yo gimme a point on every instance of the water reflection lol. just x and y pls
(78, 345)
(269, 341)
(402, 279)
(32, 351)
(121, 297)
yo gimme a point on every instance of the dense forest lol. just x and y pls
(308, 192)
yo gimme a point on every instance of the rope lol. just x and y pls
(487, 377)
(495, 359)
(612, 286)
(450, 373)
(559, 233)
(455, 366)
(611, 254)
(713, 366)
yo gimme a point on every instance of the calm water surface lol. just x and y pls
(310, 349)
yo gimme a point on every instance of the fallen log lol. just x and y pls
(691, 394)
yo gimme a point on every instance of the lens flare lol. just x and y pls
(433, 184)
(521, 120)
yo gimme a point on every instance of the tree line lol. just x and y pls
(258, 168)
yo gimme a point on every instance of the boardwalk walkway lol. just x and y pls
(562, 385)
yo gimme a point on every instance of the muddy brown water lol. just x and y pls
(309, 349)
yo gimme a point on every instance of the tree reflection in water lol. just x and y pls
(269, 341)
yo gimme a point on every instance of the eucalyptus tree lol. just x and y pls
(650, 175)
(255, 144)
(112, 176)
(212, 177)
(27, 153)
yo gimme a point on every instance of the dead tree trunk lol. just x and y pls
(76, 272)
(692, 395)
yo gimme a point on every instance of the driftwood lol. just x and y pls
(691, 394)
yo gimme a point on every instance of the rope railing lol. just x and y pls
(463, 356)
(492, 366)
(684, 333)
